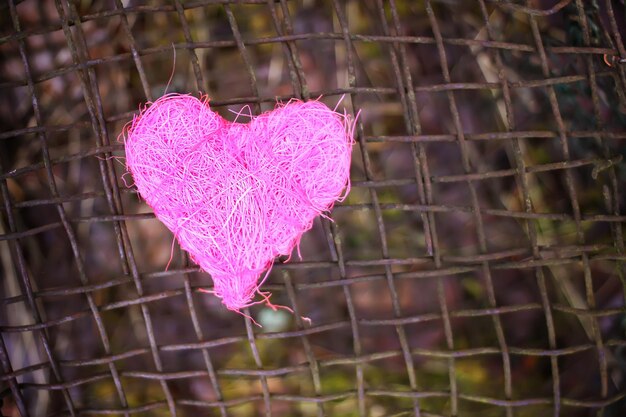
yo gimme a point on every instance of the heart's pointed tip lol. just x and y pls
(237, 290)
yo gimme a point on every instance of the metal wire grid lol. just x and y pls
(435, 265)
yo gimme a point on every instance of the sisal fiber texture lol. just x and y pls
(237, 195)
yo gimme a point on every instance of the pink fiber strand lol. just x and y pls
(236, 195)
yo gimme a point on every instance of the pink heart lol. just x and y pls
(236, 195)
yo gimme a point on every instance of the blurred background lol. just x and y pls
(475, 269)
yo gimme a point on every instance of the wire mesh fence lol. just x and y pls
(476, 268)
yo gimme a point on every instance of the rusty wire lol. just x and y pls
(108, 365)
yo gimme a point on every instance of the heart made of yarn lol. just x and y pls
(237, 195)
